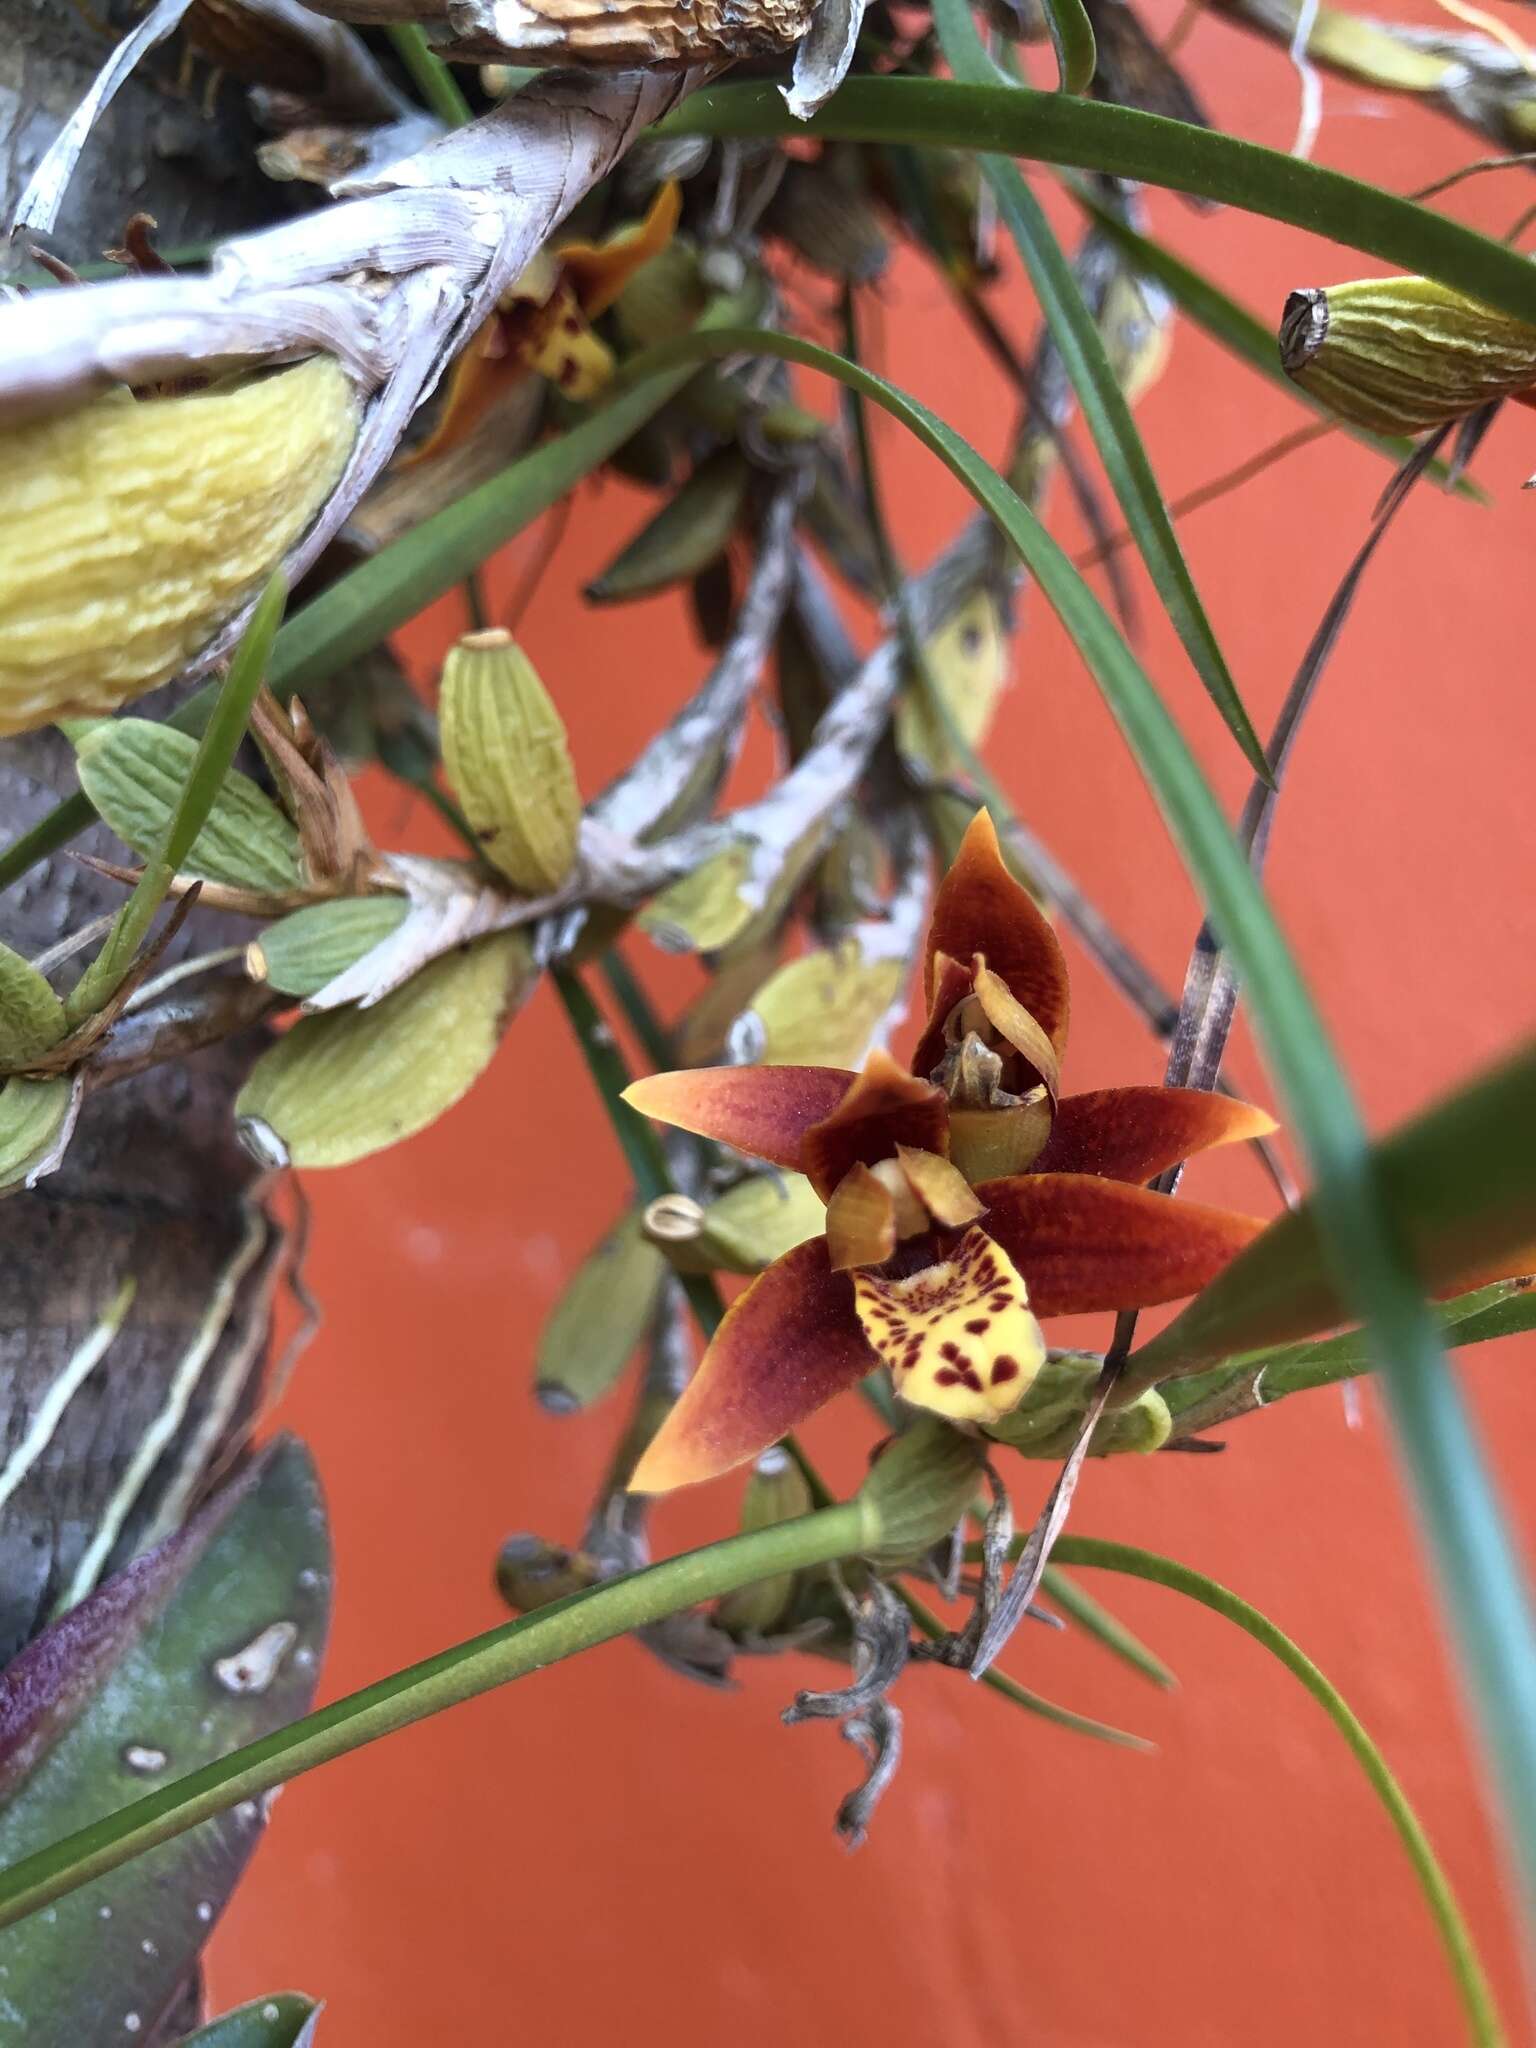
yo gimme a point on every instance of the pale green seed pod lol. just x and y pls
(691, 531)
(704, 910)
(131, 529)
(917, 1490)
(506, 753)
(967, 661)
(350, 1082)
(134, 772)
(300, 953)
(744, 1230)
(33, 1115)
(1399, 354)
(31, 1016)
(776, 1492)
(822, 1009)
(600, 1320)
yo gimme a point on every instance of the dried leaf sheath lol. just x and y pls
(665, 33)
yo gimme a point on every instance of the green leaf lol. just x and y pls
(1105, 1628)
(1072, 38)
(33, 1115)
(196, 1648)
(1105, 409)
(204, 780)
(286, 2019)
(135, 770)
(1502, 1310)
(31, 1015)
(298, 954)
(1241, 332)
(1458, 1185)
(1090, 135)
(1471, 1982)
(1480, 1577)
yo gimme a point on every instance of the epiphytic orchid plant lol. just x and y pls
(233, 469)
(967, 1198)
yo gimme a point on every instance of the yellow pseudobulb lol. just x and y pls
(958, 1336)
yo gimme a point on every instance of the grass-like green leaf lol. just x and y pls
(1472, 1984)
(1072, 39)
(1503, 1309)
(1480, 1577)
(1105, 409)
(205, 778)
(1106, 1629)
(1090, 135)
(1242, 332)
(1459, 1188)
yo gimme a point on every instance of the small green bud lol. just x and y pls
(531, 1573)
(776, 1492)
(506, 753)
(746, 1229)
(600, 1320)
(690, 531)
(300, 953)
(917, 1490)
(353, 1081)
(1399, 354)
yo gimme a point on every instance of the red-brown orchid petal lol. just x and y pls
(762, 1110)
(980, 908)
(600, 270)
(785, 1348)
(885, 1107)
(486, 368)
(1083, 1243)
(1132, 1134)
(861, 1221)
(990, 1144)
(957, 1334)
(941, 1188)
(949, 983)
(1009, 1019)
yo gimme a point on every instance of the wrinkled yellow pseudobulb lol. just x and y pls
(131, 529)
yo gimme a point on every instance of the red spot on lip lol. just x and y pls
(1003, 1370)
(979, 1328)
(946, 1376)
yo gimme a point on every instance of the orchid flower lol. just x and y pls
(966, 1197)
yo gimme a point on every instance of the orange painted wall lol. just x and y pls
(605, 1852)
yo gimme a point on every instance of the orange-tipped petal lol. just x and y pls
(885, 1107)
(980, 908)
(1083, 1243)
(861, 1221)
(762, 1110)
(785, 1348)
(941, 1188)
(486, 367)
(958, 1335)
(1132, 1134)
(600, 270)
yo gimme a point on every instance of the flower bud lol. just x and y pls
(776, 1492)
(506, 753)
(133, 528)
(1399, 354)
(531, 1573)
(600, 1320)
(746, 1229)
(690, 531)
(300, 953)
(917, 1490)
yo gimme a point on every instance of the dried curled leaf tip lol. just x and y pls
(132, 529)
(1401, 354)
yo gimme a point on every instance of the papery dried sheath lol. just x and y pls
(340, 1086)
(1399, 354)
(505, 750)
(132, 528)
(655, 33)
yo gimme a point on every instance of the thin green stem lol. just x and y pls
(1477, 1998)
(429, 74)
(580, 1622)
(654, 1040)
(1104, 1627)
